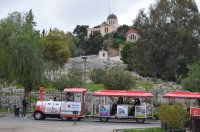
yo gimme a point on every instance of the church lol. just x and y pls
(110, 25)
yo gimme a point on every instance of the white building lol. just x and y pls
(109, 26)
(103, 55)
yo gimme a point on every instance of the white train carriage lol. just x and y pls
(71, 108)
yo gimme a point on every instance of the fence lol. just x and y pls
(12, 96)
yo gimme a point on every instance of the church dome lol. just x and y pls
(112, 16)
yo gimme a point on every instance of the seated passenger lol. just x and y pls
(120, 100)
(136, 103)
(114, 106)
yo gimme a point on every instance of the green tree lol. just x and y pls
(117, 78)
(60, 83)
(94, 44)
(169, 38)
(192, 81)
(97, 75)
(75, 78)
(8, 26)
(81, 31)
(56, 51)
(121, 31)
(22, 50)
(127, 55)
(72, 42)
(30, 19)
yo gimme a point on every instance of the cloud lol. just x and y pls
(66, 14)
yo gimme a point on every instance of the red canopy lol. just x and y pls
(181, 94)
(130, 93)
(75, 90)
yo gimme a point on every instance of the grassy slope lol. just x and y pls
(94, 87)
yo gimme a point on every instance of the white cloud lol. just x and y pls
(66, 14)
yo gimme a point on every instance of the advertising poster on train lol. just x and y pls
(140, 111)
(122, 110)
(104, 110)
(73, 106)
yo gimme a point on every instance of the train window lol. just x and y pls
(69, 96)
(77, 96)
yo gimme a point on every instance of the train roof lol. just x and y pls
(75, 90)
(127, 93)
(182, 94)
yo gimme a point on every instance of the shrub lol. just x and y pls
(75, 77)
(72, 79)
(97, 75)
(117, 78)
(174, 116)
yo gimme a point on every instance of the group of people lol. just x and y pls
(121, 101)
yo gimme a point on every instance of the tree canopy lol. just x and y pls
(93, 44)
(56, 49)
(81, 31)
(21, 50)
(169, 39)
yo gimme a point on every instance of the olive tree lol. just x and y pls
(118, 78)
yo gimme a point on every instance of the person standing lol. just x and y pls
(24, 106)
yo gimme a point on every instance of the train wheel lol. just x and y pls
(104, 119)
(43, 117)
(140, 120)
(38, 115)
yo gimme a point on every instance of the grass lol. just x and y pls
(146, 85)
(94, 87)
(144, 130)
(3, 109)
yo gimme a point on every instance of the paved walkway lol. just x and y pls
(10, 123)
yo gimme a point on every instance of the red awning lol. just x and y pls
(75, 90)
(181, 94)
(129, 93)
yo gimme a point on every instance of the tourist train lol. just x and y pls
(106, 104)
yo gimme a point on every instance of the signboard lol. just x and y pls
(52, 107)
(122, 110)
(140, 111)
(71, 106)
(195, 111)
(104, 110)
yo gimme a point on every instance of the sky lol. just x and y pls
(66, 14)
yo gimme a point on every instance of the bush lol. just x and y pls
(97, 75)
(144, 130)
(174, 116)
(72, 79)
(192, 81)
(117, 78)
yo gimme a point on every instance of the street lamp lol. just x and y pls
(84, 77)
